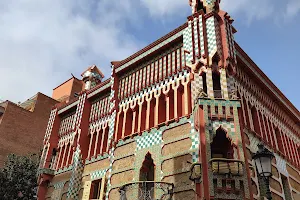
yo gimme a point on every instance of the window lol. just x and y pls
(217, 84)
(97, 189)
(204, 83)
(221, 146)
(147, 174)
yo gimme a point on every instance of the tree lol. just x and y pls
(18, 178)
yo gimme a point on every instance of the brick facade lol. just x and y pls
(22, 131)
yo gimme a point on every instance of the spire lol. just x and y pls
(206, 5)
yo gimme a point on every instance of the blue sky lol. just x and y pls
(43, 42)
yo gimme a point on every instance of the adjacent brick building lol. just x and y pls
(22, 126)
(193, 96)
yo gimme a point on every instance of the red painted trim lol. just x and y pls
(244, 149)
(273, 87)
(203, 154)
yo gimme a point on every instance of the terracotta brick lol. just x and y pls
(22, 131)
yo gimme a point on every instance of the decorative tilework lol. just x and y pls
(148, 140)
(211, 36)
(224, 83)
(98, 174)
(79, 110)
(77, 171)
(195, 141)
(227, 126)
(209, 81)
(59, 185)
(50, 124)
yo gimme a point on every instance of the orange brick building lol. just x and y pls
(191, 98)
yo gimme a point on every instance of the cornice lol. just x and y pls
(267, 82)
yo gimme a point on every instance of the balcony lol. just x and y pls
(222, 166)
(147, 190)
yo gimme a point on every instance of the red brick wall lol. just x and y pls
(21, 131)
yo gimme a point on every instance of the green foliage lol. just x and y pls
(18, 178)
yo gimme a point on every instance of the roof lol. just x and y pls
(72, 78)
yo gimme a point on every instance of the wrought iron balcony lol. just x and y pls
(224, 166)
(147, 190)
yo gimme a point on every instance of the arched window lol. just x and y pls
(221, 146)
(147, 169)
(147, 173)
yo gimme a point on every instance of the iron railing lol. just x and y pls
(227, 166)
(147, 190)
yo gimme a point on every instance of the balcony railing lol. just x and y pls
(218, 94)
(147, 190)
(227, 166)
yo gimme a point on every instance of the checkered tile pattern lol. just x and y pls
(98, 174)
(77, 171)
(218, 38)
(224, 83)
(227, 126)
(111, 157)
(59, 185)
(50, 124)
(148, 140)
(211, 36)
(197, 84)
(209, 81)
(195, 156)
(201, 35)
(187, 41)
(208, 2)
(79, 110)
(196, 35)
(195, 141)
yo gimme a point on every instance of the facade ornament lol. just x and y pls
(233, 95)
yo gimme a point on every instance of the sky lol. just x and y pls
(43, 42)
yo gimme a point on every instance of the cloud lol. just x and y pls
(42, 42)
(292, 9)
(249, 9)
(162, 8)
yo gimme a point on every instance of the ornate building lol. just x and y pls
(192, 98)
